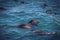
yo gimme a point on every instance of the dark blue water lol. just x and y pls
(16, 13)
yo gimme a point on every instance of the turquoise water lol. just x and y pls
(17, 13)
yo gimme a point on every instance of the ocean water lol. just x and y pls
(17, 13)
